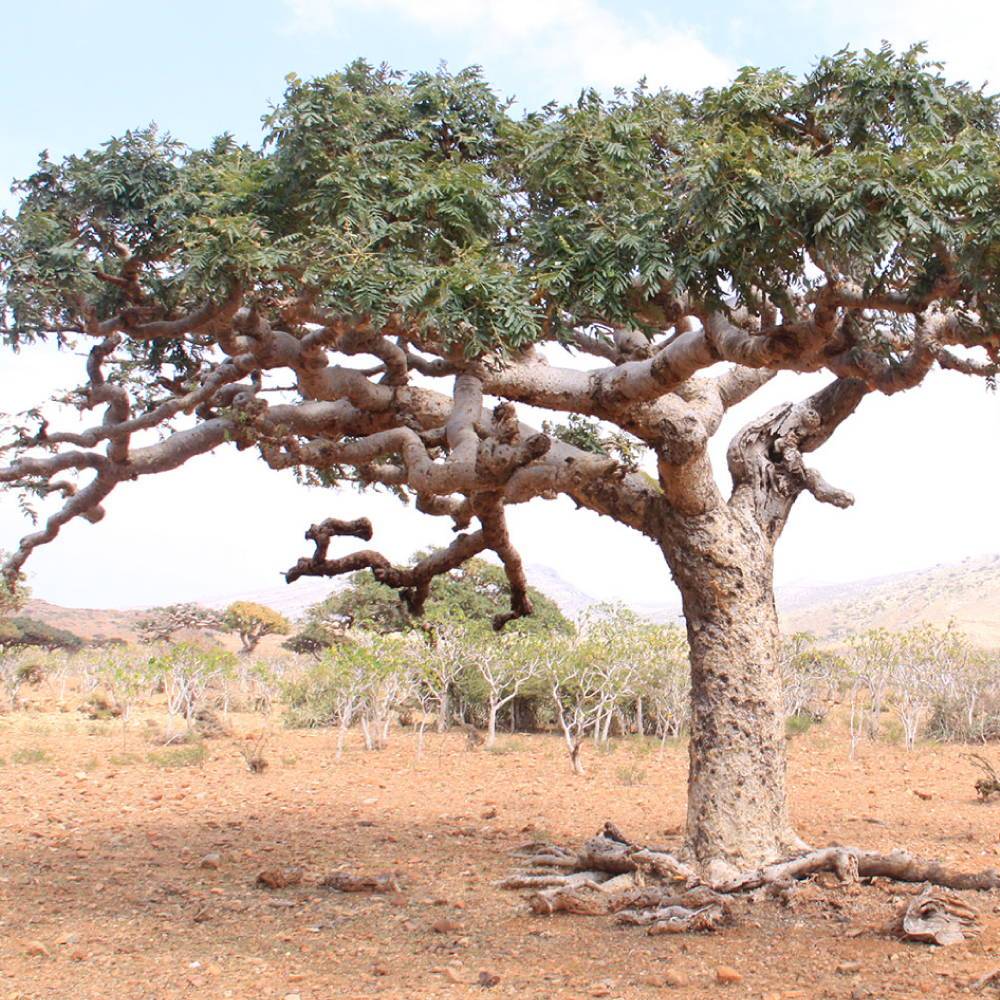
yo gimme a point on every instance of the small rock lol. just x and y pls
(652, 980)
(488, 979)
(848, 968)
(445, 926)
(77, 954)
(726, 974)
(279, 878)
(211, 861)
(600, 990)
(674, 978)
(451, 975)
(37, 950)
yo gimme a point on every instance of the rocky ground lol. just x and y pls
(131, 872)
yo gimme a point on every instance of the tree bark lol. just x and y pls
(737, 809)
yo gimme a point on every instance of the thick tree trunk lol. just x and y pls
(737, 811)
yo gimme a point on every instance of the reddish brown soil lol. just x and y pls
(100, 852)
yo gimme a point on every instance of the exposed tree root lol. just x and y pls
(649, 887)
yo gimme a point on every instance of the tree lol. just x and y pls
(473, 591)
(252, 622)
(578, 679)
(313, 640)
(163, 623)
(13, 592)
(20, 632)
(401, 250)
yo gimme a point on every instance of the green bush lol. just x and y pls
(796, 725)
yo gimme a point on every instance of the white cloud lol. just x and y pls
(570, 43)
(962, 35)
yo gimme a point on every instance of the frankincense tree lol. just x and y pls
(347, 298)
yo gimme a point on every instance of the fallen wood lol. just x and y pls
(850, 863)
(936, 917)
(656, 896)
(346, 882)
(533, 880)
(653, 888)
(586, 899)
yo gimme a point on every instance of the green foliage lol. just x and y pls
(12, 595)
(29, 755)
(313, 640)
(21, 632)
(253, 621)
(424, 201)
(587, 434)
(796, 725)
(469, 595)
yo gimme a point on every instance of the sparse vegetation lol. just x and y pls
(190, 755)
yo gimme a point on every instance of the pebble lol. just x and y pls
(445, 926)
(211, 861)
(674, 978)
(849, 968)
(727, 974)
(37, 950)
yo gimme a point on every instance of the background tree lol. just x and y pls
(251, 622)
(20, 632)
(473, 591)
(162, 624)
(402, 250)
(313, 640)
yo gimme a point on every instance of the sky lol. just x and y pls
(923, 466)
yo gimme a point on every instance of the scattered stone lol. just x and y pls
(211, 861)
(488, 979)
(378, 969)
(37, 950)
(674, 978)
(451, 975)
(652, 980)
(726, 975)
(445, 926)
(77, 954)
(600, 990)
(849, 968)
(279, 878)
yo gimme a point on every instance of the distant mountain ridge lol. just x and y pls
(966, 592)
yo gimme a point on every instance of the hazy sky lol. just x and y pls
(924, 467)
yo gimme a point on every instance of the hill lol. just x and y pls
(967, 592)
